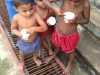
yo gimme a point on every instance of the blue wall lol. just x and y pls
(10, 9)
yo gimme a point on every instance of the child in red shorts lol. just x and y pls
(66, 37)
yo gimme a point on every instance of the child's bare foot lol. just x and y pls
(48, 59)
(37, 61)
(21, 66)
(50, 53)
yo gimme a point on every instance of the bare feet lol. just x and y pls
(48, 59)
(50, 52)
(68, 70)
(37, 61)
(21, 66)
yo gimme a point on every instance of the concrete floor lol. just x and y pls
(89, 47)
(8, 61)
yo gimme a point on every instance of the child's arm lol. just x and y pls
(85, 16)
(14, 27)
(42, 26)
(55, 8)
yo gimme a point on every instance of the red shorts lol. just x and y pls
(67, 43)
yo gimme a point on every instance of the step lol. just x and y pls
(89, 47)
(94, 25)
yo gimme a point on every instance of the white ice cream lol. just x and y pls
(25, 34)
(51, 21)
(68, 16)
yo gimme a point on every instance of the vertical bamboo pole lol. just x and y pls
(3, 13)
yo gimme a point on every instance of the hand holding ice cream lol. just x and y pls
(69, 16)
(51, 21)
(24, 34)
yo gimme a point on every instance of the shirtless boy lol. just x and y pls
(25, 25)
(66, 37)
(45, 14)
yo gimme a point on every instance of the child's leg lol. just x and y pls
(21, 62)
(36, 59)
(47, 46)
(54, 53)
(71, 57)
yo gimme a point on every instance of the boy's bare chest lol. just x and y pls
(27, 22)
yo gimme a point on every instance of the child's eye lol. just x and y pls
(40, 0)
(28, 10)
(24, 10)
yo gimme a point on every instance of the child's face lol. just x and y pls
(52, 0)
(25, 10)
(40, 3)
(75, 0)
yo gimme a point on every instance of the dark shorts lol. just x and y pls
(27, 47)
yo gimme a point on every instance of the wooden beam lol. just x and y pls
(3, 13)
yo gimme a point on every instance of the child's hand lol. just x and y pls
(28, 34)
(69, 17)
(30, 30)
(71, 21)
(32, 34)
(24, 34)
(16, 32)
(51, 21)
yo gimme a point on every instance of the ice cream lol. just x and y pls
(51, 21)
(25, 35)
(68, 16)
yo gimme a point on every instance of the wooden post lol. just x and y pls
(3, 13)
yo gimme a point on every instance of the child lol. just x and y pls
(26, 24)
(66, 36)
(45, 13)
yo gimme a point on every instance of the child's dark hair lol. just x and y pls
(20, 2)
